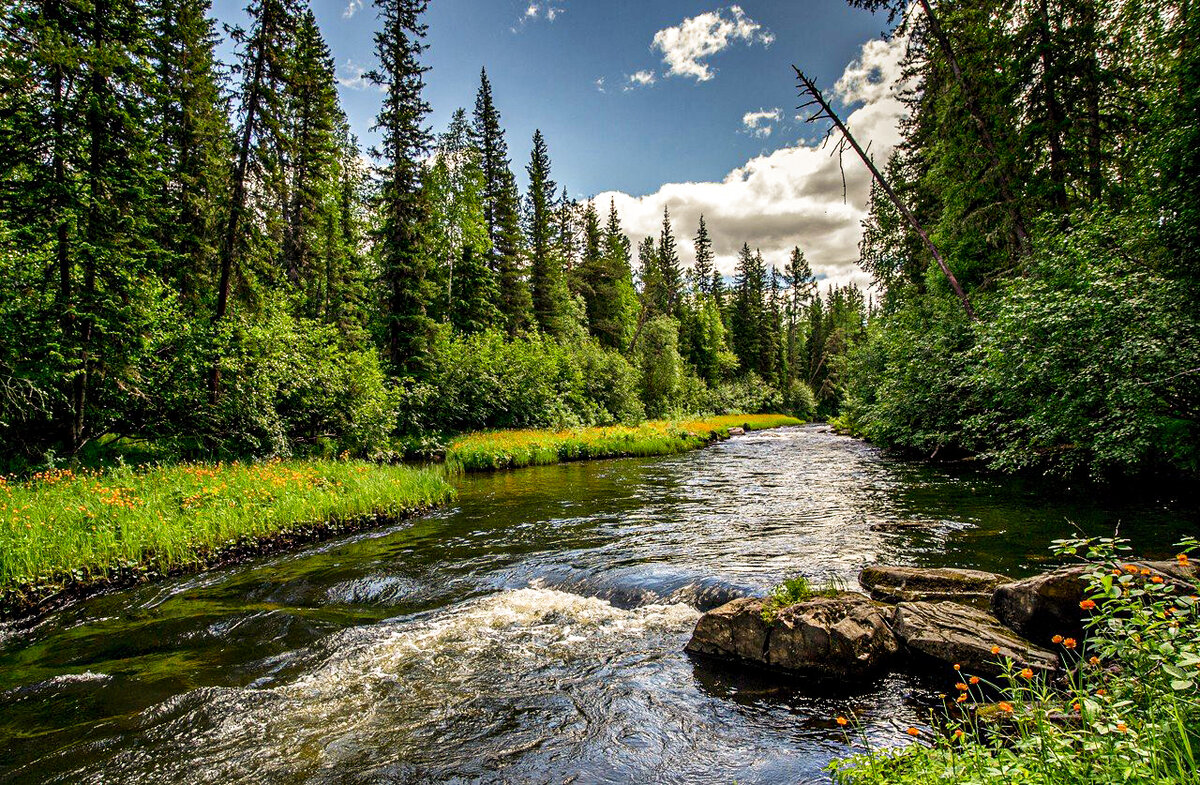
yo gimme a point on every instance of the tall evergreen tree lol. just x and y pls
(191, 132)
(545, 264)
(402, 203)
(314, 119)
(670, 270)
(746, 317)
(702, 270)
(501, 206)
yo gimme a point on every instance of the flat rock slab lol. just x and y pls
(954, 633)
(840, 637)
(1045, 605)
(917, 584)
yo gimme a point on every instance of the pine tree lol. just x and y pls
(192, 133)
(654, 294)
(501, 207)
(670, 270)
(702, 271)
(623, 307)
(746, 318)
(402, 204)
(545, 264)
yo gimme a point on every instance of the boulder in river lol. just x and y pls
(737, 431)
(843, 636)
(915, 584)
(959, 634)
(1047, 604)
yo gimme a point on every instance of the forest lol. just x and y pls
(201, 261)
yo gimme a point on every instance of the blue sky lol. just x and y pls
(639, 99)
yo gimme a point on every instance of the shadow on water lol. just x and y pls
(533, 632)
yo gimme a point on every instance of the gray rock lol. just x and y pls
(844, 636)
(958, 634)
(916, 584)
(735, 630)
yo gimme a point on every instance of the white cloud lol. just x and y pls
(760, 123)
(352, 8)
(686, 46)
(600, 84)
(353, 76)
(640, 79)
(542, 10)
(789, 197)
(552, 13)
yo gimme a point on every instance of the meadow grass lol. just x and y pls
(513, 449)
(66, 527)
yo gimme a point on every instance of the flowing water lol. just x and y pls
(532, 632)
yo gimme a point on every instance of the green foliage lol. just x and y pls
(1128, 711)
(487, 380)
(796, 590)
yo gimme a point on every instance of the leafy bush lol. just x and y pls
(1128, 713)
(794, 590)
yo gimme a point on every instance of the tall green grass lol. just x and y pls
(512, 449)
(63, 526)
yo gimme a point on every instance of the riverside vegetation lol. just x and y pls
(1127, 711)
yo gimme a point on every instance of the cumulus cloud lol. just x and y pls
(536, 10)
(352, 8)
(761, 123)
(640, 79)
(600, 84)
(686, 46)
(793, 196)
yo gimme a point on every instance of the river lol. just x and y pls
(531, 632)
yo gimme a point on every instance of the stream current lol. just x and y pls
(533, 631)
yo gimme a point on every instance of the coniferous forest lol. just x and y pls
(200, 260)
(203, 261)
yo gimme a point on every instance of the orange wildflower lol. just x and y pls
(1027, 673)
(1182, 558)
(1156, 579)
(842, 720)
(1069, 643)
(958, 734)
(1122, 727)
(961, 686)
(957, 667)
(995, 650)
(1057, 639)
(1094, 660)
(1076, 707)
(913, 732)
(1087, 605)
(1005, 707)
(1102, 692)
(1131, 569)
(961, 698)
(974, 679)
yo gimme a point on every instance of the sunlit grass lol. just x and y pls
(513, 449)
(63, 525)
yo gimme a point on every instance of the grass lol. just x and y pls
(513, 449)
(1127, 711)
(798, 589)
(61, 527)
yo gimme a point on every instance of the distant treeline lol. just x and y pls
(1052, 154)
(196, 257)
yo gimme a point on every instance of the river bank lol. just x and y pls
(66, 535)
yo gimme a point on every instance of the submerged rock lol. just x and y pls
(959, 634)
(1045, 605)
(912, 584)
(843, 636)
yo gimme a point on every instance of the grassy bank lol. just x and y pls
(512, 449)
(66, 529)
(1128, 709)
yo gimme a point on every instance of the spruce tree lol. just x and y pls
(501, 207)
(702, 271)
(670, 270)
(746, 317)
(623, 307)
(545, 264)
(314, 118)
(402, 204)
(192, 133)
(654, 293)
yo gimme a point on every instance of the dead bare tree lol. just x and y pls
(825, 111)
